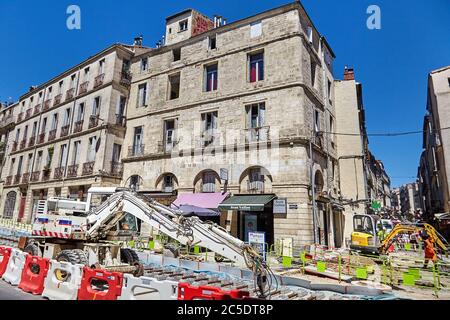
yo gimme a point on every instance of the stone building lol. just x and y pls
(409, 200)
(68, 134)
(362, 177)
(434, 168)
(241, 111)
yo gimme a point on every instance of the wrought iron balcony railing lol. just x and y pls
(72, 171)
(98, 81)
(88, 168)
(83, 87)
(65, 131)
(52, 135)
(70, 94)
(136, 151)
(78, 126)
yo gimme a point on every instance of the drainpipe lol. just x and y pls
(312, 178)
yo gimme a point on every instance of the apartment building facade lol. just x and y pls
(409, 200)
(68, 134)
(240, 111)
(434, 167)
(363, 179)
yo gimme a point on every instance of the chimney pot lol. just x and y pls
(349, 74)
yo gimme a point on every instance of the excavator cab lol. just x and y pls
(365, 236)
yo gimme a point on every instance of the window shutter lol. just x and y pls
(262, 115)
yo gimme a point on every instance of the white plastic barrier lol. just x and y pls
(63, 281)
(152, 289)
(16, 262)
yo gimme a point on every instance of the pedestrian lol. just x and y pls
(430, 253)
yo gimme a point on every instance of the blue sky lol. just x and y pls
(392, 63)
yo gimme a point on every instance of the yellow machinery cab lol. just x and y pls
(365, 236)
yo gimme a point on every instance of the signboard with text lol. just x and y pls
(258, 241)
(280, 206)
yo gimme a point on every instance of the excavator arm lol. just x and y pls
(402, 228)
(186, 230)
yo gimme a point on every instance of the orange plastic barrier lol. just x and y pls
(5, 253)
(93, 280)
(188, 292)
(33, 274)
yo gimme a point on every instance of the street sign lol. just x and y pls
(224, 174)
(280, 206)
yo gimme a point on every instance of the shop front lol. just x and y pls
(249, 213)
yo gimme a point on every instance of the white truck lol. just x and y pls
(83, 232)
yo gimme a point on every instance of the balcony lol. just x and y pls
(37, 109)
(52, 135)
(121, 120)
(46, 174)
(29, 113)
(78, 126)
(23, 144)
(167, 147)
(35, 176)
(125, 78)
(116, 169)
(255, 186)
(59, 173)
(31, 142)
(84, 87)
(69, 94)
(41, 138)
(57, 100)
(8, 181)
(257, 134)
(6, 121)
(47, 104)
(14, 146)
(17, 179)
(136, 151)
(72, 171)
(88, 168)
(65, 131)
(98, 81)
(25, 178)
(20, 117)
(93, 122)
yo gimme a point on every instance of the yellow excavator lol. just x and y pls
(369, 236)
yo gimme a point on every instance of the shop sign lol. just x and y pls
(293, 206)
(279, 206)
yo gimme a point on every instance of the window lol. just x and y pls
(137, 140)
(11, 168)
(313, 73)
(92, 151)
(17, 135)
(168, 183)
(80, 114)
(174, 86)
(144, 64)
(96, 106)
(135, 182)
(25, 133)
(142, 95)
(169, 134)
(44, 125)
(19, 166)
(55, 122)
(30, 163)
(256, 67)
(329, 89)
(125, 65)
(176, 54)
(35, 126)
(183, 25)
(63, 156)
(86, 74)
(211, 73)
(101, 66)
(255, 29)
(37, 165)
(60, 87)
(256, 181)
(117, 150)
(316, 121)
(212, 42)
(49, 157)
(122, 105)
(76, 152)
(49, 93)
(256, 115)
(209, 121)
(66, 117)
(72, 81)
(310, 34)
(208, 182)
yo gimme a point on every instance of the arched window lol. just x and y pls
(135, 182)
(10, 204)
(318, 182)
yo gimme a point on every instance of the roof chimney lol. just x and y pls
(138, 41)
(349, 73)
